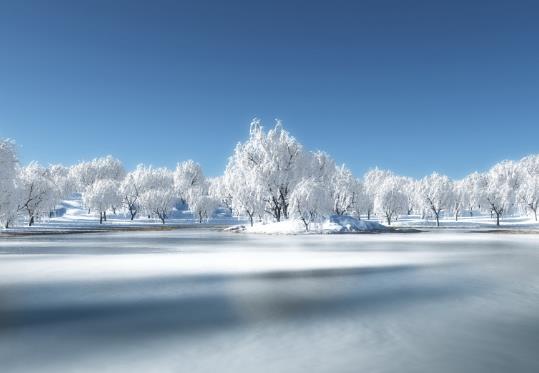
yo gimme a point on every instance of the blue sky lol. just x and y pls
(413, 86)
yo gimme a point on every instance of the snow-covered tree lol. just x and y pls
(38, 192)
(437, 194)
(459, 197)
(346, 191)
(220, 191)
(159, 196)
(103, 195)
(202, 206)
(528, 193)
(105, 168)
(241, 187)
(500, 186)
(310, 201)
(132, 186)
(472, 185)
(188, 175)
(277, 161)
(390, 201)
(8, 182)
(372, 180)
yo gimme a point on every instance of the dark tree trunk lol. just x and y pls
(31, 220)
(100, 218)
(105, 215)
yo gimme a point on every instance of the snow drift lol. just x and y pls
(332, 225)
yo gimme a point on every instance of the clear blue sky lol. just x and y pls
(413, 86)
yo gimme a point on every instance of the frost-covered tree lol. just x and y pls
(500, 186)
(346, 190)
(104, 168)
(245, 193)
(8, 183)
(310, 201)
(188, 176)
(390, 201)
(459, 197)
(372, 180)
(410, 187)
(132, 186)
(472, 185)
(202, 206)
(529, 193)
(277, 162)
(159, 195)
(38, 192)
(103, 195)
(220, 191)
(437, 194)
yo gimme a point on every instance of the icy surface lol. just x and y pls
(209, 301)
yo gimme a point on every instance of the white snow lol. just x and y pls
(331, 225)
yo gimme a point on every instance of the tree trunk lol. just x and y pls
(456, 216)
(306, 224)
(369, 214)
(105, 215)
(133, 213)
(497, 219)
(100, 218)
(535, 213)
(388, 220)
(200, 218)
(437, 220)
(31, 220)
(88, 211)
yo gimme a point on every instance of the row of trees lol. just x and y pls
(272, 176)
(268, 177)
(34, 191)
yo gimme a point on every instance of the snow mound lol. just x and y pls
(348, 224)
(332, 225)
(283, 227)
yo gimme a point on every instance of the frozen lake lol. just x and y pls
(207, 301)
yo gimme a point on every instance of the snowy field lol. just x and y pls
(200, 300)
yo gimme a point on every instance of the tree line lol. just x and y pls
(269, 177)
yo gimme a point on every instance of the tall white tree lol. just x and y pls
(390, 201)
(346, 191)
(372, 180)
(472, 185)
(437, 194)
(38, 192)
(159, 196)
(500, 186)
(103, 195)
(188, 176)
(311, 200)
(8, 182)
(277, 161)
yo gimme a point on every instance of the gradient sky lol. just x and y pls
(413, 86)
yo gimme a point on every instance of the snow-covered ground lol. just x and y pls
(200, 300)
(73, 217)
(466, 222)
(333, 224)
